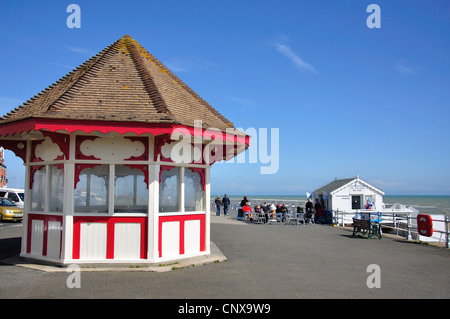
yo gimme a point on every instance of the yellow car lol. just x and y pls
(9, 211)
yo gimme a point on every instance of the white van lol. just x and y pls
(15, 195)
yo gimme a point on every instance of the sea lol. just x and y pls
(441, 202)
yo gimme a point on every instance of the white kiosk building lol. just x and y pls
(117, 156)
(349, 195)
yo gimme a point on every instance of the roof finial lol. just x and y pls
(126, 36)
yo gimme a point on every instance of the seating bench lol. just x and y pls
(366, 227)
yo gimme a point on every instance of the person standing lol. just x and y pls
(218, 202)
(319, 212)
(309, 208)
(226, 204)
(244, 201)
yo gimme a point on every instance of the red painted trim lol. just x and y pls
(110, 235)
(19, 127)
(27, 125)
(46, 219)
(200, 171)
(33, 151)
(160, 141)
(143, 168)
(13, 146)
(163, 168)
(62, 140)
(33, 169)
(182, 219)
(76, 240)
(78, 169)
(143, 140)
(80, 139)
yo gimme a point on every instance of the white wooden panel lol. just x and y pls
(93, 241)
(191, 237)
(115, 148)
(127, 241)
(170, 239)
(54, 239)
(37, 237)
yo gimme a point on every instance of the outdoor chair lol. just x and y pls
(309, 218)
(290, 218)
(259, 218)
(279, 217)
(301, 218)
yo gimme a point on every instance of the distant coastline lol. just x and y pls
(440, 201)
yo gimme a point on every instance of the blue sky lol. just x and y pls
(346, 99)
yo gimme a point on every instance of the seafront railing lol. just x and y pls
(398, 222)
(236, 203)
(402, 223)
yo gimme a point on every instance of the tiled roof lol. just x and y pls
(123, 82)
(337, 183)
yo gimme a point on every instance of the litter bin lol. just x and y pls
(240, 214)
(329, 217)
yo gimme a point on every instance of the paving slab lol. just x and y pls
(216, 256)
(265, 262)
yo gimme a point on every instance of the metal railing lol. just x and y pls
(401, 222)
(236, 203)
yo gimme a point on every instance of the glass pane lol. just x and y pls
(130, 190)
(91, 193)
(56, 189)
(168, 191)
(193, 191)
(38, 189)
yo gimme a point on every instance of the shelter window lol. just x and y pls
(56, 189)
(193, 191)
(130, 190)
(38, 190)
(169, 199)
(92, 191)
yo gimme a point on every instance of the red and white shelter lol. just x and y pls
(117, 156)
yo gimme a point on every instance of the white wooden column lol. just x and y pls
(153, 212)
(181, 189)
(69, 202)
(207, 210)
(111, 186)
(27, 202)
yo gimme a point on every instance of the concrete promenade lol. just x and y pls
(263, 262)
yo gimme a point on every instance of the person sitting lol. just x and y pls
(284, 209)
(278, 210)
(247, 211)
(259, 211)
(279, 213)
